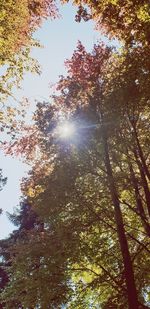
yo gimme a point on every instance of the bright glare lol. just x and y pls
(65, 130)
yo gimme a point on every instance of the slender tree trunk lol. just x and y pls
(144, 183)
(128, 268)
(140, 153)
(140, 207)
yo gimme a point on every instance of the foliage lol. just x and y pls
(84, 226)
(14, 72)
(3, 180)
(18, 21)
(70, 188)
(127, 20)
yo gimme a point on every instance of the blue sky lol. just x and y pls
(59, 38)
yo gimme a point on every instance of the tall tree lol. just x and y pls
(101, 203)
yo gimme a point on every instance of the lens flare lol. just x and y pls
(66, 130)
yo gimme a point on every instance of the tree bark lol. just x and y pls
(140, 207)
(140, 152)
(143, 182)
(128, 268)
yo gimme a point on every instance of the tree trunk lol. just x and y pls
(140, 207)
(143, 182)
(140, 153)
(128, 269)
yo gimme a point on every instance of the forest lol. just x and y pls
(81, 231)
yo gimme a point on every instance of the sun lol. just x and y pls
(66, 130)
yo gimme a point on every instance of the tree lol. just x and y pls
(43, 268)
(19, 20)
(127, 20)
(102, 204)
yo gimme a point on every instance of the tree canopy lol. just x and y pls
(84, 221)
(18, 21)
(127, 20)
(90, 191)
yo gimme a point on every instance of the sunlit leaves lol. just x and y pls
(72, 248)
(127, 20)
(18, 21)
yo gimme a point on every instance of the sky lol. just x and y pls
(59, 39)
